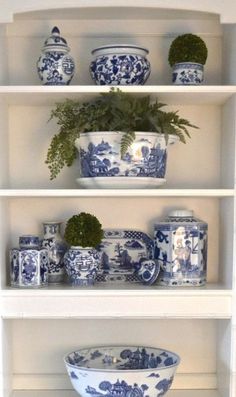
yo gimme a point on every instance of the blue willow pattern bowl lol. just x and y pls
(127, 371)
(120, 64)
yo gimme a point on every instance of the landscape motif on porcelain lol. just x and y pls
(146, 157)
(182, 254)
(122, 252)
(126, 372)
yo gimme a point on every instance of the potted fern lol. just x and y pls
(83, 233)
(187, 57)
(121, 139)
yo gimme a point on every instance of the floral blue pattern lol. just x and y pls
(187, 73)
(81, 265)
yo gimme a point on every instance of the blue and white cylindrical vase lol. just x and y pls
(29, 267)
(181, 249)
(55, 65)
(188, 73)
(56, 247)
(81, 265)
(120, 64)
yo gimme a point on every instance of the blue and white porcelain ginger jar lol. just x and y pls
(188, 73)
(56, 248)
(120, 64)
(81, 265)
(28, 266)
(181, 249)
(55, 65)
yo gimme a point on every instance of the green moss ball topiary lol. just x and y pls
(83, 230)
(187, 48)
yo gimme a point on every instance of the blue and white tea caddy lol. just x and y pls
(181, 249)
(55, 65)
(29, 264)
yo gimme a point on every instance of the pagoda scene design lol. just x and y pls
(143, 159)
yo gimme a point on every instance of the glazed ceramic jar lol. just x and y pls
(81, 265)
(55, 65)
(56, 248)
(29, 264)
(188, 73)
(181, 249)
(120, 64)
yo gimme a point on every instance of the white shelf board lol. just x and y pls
(104, 302)
(116, 193)
(48, 95)
(71, 393)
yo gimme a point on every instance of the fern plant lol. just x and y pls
(112, 111)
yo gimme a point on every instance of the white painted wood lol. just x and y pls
(226, 9)
(4, 152)
(6, 358)
(228, 143)
(70, 393)
(162, 192)
(117, 305)
(173, 95)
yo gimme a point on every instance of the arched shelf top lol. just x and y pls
(224, 9)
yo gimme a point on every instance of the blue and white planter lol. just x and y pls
(188, 73)
(120, 64)
(181, 249)
(29, 267)
(55, 66)
(56, 248)
(101, 163)
(125, 371)
(81, 265)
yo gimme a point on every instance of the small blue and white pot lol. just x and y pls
(81, 265)
(29, 267)
(188, 73)
(147, 271)
(120, 64)
(143, 165)
(55, 65)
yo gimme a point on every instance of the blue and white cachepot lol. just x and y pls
(56, 248)
(124, 371)
(29, 267)
(188, 73)
(81, 265)
(120, 64)
(100, 160)
(181, 249)
(55, 65)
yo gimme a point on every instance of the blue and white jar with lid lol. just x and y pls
(181, 249)
(55, 65)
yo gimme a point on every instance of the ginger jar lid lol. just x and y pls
(55, 42)
(181, 213)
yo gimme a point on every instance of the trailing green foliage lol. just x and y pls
(188, 48)
(83, 230)
(112, 111)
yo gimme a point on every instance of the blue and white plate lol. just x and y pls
(122, 253)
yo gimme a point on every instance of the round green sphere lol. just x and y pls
(83, 230)
(187, 48)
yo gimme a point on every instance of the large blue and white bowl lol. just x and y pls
(142, 166)
(121, 371)
(120, 64)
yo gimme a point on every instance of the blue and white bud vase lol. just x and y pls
(29, 265)
(81, 265)
(181, 249)
(55, 65)
(56, 247)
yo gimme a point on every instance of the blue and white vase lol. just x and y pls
(148, 271)
(29, 267)
(81, 265)
(120, 64)
(188, 73)
(146, 158)
(181, 249)
(55, 65)
(56, 247)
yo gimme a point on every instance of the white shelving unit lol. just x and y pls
(38, 327)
